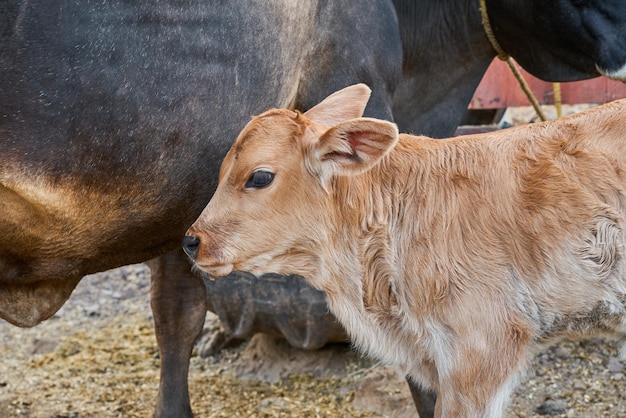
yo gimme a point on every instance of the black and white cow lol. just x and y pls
(446, 51)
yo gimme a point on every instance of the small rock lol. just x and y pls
(92, 310)
(618, 376)
(614, 365)
(579, 385)
(272, 404)
(551, 408)
(43, 346)
(544, 360)
(562, 353)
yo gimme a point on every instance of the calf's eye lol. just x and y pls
(259, 179)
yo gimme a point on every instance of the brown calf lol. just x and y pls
(455, 260)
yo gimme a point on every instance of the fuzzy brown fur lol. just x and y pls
(456, 259)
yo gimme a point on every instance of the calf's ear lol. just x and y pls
(345, 104)
(353, 146)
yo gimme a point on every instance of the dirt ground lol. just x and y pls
(98, 358)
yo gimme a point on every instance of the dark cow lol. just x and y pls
(110, 110)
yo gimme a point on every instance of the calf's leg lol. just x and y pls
(479, 378)
(178, 300)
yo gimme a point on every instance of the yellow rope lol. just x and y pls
(520, 79)
(558, 101)
(506, 57)
(489, 32)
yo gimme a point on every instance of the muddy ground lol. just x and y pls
(98, 358)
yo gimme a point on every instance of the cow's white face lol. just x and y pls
(273, 210)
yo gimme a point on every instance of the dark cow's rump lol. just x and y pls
(113, 107)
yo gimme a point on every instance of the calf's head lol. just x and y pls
(274, 210)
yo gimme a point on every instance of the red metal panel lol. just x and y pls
(499, 88)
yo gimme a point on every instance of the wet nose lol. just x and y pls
(190, 245)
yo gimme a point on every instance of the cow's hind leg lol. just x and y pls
(178, 300)
(424, 399)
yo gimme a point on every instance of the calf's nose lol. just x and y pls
(190, 245)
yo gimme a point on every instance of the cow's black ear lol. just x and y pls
(340, 106)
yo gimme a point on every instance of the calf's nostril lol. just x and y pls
(190, 245)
